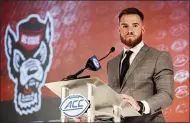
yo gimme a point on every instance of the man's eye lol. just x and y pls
(125, 26)
(135, 26)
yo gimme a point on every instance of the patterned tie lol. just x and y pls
(125, 66)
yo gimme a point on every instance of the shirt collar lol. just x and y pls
(135, 49)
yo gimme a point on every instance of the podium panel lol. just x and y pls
(105, 97)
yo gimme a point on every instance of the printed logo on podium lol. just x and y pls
(74, 105)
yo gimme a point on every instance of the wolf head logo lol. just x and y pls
(29, 53)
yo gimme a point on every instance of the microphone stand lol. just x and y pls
(75, 76)
(104, 57)
(111, 50)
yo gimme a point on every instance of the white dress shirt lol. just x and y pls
(135, 50)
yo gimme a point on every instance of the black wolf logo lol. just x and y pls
(29, 54)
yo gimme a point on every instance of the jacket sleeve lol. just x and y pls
(164, 79)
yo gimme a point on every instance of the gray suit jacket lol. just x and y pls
(149, 78)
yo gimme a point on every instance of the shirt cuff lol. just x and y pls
(146, 107)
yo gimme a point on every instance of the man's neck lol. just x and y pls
(135, 48)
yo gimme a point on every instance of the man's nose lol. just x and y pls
(130, 31)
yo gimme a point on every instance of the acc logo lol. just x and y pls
(181, 76)
(74, 106)
(182, 108)
(181, 91)
(96, 63)
(179, 45)
(180, 60)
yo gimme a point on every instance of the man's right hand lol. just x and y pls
(81, 119)
(131, 101)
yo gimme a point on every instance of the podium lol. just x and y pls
(105, 103)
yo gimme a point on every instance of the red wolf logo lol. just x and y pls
(29, 53)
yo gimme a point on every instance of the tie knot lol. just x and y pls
(128, 52)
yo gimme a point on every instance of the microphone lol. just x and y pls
(111, 51)
(92, 64)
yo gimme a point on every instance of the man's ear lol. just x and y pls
(143, 29)
(118, 29)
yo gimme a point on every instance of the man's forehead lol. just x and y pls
(130, 18)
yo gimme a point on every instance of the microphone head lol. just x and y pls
(93, 63)
(112, 49)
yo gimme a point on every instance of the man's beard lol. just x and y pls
(131, 43)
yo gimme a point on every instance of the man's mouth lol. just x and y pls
(130, 36)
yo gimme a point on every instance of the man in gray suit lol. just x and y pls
(141, 74)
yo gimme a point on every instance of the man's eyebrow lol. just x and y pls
(124, 24)
(135, 23)
(132, 23)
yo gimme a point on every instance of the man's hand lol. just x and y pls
(131, 101)
(81, 119)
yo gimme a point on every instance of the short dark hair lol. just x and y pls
(131, 11)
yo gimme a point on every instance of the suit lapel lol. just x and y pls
(115, 70)
(134, 64)
(118, 59)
